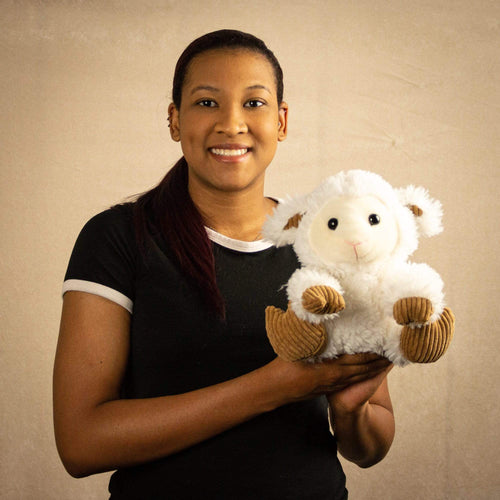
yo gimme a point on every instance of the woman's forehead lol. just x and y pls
(214, 67)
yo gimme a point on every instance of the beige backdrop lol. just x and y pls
(409, 89)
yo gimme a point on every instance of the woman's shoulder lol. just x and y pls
(117, 214)
(103, 260)
(116, 221)
(108, 232)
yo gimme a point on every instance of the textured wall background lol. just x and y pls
(409, 89)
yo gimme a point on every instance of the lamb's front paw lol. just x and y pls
(322, 299)
(427, 343)
(412, 310)
(291, 337)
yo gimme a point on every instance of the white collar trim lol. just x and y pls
(238, 245)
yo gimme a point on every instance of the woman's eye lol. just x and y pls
(333, 223)
(374, 219)
(254, 103)
(207, 103)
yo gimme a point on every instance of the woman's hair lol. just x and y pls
(168, 210)
(223, 39)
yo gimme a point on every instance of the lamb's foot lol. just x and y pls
(292, 338)
(427, 343)
(412, 310)
(322, 299)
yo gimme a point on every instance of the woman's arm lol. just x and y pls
(96, 431)
(363, 420)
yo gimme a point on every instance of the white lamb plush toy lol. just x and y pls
(356, 290)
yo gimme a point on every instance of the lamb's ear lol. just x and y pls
(427, 211)
(281, 227)
(293, 221)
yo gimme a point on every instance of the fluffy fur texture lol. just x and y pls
(353, 236)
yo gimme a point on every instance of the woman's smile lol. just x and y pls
(230, 152)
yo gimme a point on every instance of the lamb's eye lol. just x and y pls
(374, 219)
(333, 223)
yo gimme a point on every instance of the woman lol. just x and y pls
(163, 369)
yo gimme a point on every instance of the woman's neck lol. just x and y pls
(238, 215)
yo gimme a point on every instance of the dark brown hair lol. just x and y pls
(168, 210)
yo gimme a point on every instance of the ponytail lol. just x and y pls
(169, 211)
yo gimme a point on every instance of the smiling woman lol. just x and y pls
(229, 123)
(163, 369)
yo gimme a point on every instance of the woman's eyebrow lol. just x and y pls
(261, 87)
(215, 89)
(205, 87)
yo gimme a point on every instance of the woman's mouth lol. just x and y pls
(231, 152)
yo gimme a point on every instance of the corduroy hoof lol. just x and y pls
(292, 338)
(428, 343)
(412, 310)
(322, 299)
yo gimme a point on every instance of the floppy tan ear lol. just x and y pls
(427, 211)
(281, 227)
(293, 222)
(416, 210)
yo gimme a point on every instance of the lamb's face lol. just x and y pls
(348, 230)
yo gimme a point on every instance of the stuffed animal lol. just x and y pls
(356, 290)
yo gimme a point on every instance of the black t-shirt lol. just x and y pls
(177, 345)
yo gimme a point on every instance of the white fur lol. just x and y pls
(429, 223)
(370, 288)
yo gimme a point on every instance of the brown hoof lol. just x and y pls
(322, 299)
(428, 343)
(293, 339)
(412, 310)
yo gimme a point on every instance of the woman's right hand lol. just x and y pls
(303, 379)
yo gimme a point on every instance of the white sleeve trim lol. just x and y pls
(98, 289)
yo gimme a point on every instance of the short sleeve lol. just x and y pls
(103, 260)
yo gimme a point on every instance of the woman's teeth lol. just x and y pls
(228, 152)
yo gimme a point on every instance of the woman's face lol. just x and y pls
(229, 122)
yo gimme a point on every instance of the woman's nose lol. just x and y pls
(231, 122)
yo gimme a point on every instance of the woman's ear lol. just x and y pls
(173, 122)
(282, 121)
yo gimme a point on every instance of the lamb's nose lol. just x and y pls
(354, 244)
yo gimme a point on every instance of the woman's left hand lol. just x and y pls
(363, 418)
(353, 397)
